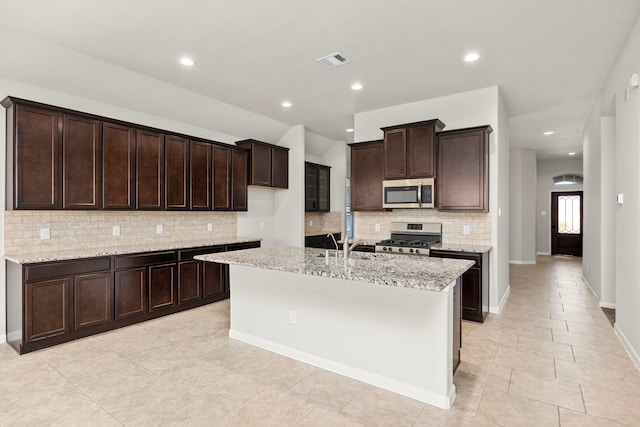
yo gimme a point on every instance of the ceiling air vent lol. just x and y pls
(334, 60)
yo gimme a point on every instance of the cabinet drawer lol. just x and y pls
(188, 254)
(144, 259)
(48, 270)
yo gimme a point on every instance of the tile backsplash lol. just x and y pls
(94, 230)
(322, 222)
(452, 224)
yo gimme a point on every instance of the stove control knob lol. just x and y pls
(417, 251)
(410, 250)
(400, 250)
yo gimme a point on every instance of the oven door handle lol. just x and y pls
(420, 195)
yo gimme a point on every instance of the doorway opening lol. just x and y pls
(566, 223)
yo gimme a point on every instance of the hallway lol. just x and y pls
(551, 358)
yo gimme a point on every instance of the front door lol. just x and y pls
(566, 223)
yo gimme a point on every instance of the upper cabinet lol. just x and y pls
(63, 159)
(463, 169)
(317, 187)
(367, 159)
(409, 149)
(268, 164)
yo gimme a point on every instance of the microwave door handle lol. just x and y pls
(419, 195)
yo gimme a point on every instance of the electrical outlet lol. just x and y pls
(45, 234)
(261, 224)
(310, 223)
(209, 227)
(377, 227)
(466, 230)
(293, 317)
(116, 230)
(159, 229)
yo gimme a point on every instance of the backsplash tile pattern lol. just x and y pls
(322, 222)
(452, 224)
(94, 230)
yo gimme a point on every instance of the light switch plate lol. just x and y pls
(620, 198)
(466, 230)
(45, 234)
(209, 227)
(377, 227)
(159, 229)
(116, 230)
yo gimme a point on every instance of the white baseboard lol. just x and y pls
(503, 301)
(377, 380)
(521, 262)
(544, 253)
(600, 302)
(611, 305)
(627, 346)
(3, 339)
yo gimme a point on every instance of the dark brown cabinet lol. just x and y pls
(34, 157)
(201, 165)
(130, 293)
(409, 150)
(366, 175)
(118, 166)
(92, 300)
(149, 170)
(457, 324)
(321, 241)
(162, 289)
(198, 279)
(47, 309)
(81, 163)
(268, 164)
(317, 187)
(239, 193)
(475, 283)
(63, 159)
(214, 280)
(176, 173)
(463, 169)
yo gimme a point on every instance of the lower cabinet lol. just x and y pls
(457, 325)
(322, 241)
(54, 302)
(475, 283)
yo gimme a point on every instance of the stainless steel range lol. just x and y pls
(411, 238)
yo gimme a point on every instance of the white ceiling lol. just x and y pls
(550, 58)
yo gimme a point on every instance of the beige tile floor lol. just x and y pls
(550, 358)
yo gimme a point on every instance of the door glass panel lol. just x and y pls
(569, 215)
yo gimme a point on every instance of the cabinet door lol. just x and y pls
(310, 187)
(260, 165)
(471, 295)
(221, 178)
(457, 325)
(214, 279)
(366, 176)
(463, 170)
(395, 154)
(201, 165)
(324, 189)
(81, 163)
(149, 170)
(131, 292)
(420, 152)
(177, 172)
(38, 162)
(162, 292)
(189, 281)
(239, 161)
(279, 168)
(92, 300)
(47, 309)
(118, 166)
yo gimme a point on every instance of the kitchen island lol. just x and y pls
(382, 319)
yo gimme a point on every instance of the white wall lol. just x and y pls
(547, 169)
(522, 228)
(473, 108)
(608, 210)
(627, 182)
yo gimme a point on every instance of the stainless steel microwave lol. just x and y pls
(408, 193)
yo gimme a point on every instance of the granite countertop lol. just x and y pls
(457, 247)
(48, 256)
(422, 273)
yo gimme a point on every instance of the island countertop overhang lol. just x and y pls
(421, 273)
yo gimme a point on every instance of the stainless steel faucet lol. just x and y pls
(346, 249)
(334, 242)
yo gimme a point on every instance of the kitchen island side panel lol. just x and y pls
(395, 338)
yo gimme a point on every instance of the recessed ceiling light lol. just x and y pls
(286, 104)
(349, 130)
(356, 86)
(187, 62)
(572, 153)
(549, 132)
(471, 57)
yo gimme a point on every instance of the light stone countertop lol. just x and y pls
(457, 247)
(48, 256)
(422, 273)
